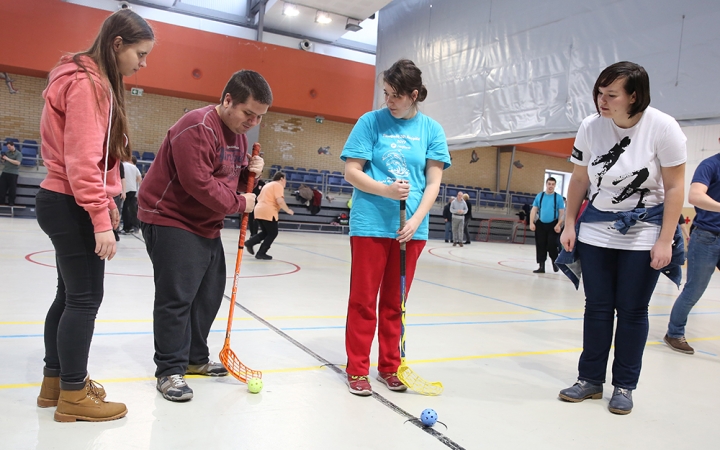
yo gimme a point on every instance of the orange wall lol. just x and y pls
(559, 148)
(43, 30)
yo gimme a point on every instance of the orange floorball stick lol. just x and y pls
(229, 359)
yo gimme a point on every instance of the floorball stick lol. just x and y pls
(408, 377)
(228, 357)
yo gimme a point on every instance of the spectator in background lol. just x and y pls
(447, 215)
(270, 201)
(9, 176)
(252, 223)
(468, 217)
(549, 210)
(684, 228)
(130, 206)
(120, 198)
(458, 208)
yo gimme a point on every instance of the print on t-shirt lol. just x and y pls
(634, 187)
(231, 159)
(396, 165)
(608, 160)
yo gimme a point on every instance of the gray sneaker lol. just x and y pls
(621, 401)
(210, 369)
(582, 390)
(174, 388)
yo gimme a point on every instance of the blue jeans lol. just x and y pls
(448, 231)
(619, 281)
(703, 257)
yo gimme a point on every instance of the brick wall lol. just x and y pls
(20, 112)
(286, 140)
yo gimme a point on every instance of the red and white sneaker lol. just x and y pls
(359, 385)
(391, 380)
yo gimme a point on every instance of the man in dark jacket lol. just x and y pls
(447, 215)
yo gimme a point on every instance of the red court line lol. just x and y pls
(295, 268)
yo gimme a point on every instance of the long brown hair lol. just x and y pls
(132, 29)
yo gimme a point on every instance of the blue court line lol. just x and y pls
(707, 353)
(445, 286)
(328, 327)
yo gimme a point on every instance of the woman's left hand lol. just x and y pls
(406, 233)
(660, 255)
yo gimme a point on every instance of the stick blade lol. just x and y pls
(236, 368)
(418, 384)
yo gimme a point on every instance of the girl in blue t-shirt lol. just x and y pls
(393, 154)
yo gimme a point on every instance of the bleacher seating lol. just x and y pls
(29, 151)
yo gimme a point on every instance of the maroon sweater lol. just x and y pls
(193, 182)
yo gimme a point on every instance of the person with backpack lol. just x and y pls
(549, 211)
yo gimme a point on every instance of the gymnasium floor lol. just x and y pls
(502, 340)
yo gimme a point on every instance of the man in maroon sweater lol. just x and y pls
(191, 186)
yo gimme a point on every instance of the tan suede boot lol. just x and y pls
(50, 391)
(86, 404)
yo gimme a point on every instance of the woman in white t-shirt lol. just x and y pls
(630, 157)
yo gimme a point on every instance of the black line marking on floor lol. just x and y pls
(438, 435)
(432, 432)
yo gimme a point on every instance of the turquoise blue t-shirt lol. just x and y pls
(393, 149)
(551, 206)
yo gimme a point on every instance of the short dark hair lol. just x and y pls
(246, 83)
(10, 143)
(133, 159)
(637, 82)
(278, 176)
(551, 179)
(405, 77)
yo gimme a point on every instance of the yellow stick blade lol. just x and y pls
(418, 384)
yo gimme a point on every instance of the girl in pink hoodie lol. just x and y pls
(84, 139)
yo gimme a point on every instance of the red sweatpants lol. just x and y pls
(376, 269)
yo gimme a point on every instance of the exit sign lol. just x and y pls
(136, 91)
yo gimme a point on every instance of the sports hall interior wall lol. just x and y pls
(190, 63)
(286, 139)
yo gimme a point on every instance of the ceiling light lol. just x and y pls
(322, 17)
(290, 10)
(353, 25)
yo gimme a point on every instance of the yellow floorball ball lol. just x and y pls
(255, 385)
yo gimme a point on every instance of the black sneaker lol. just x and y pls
(250, 249)
(174, 388)
(540, 269)
(263, 256)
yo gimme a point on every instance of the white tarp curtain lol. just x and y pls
(510, 71)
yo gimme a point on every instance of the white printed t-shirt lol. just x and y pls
(624, 170)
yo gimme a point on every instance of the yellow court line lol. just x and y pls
(139, 379)
(415, 361)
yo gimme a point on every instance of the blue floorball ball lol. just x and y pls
(428, 417)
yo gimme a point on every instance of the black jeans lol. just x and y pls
(189, 285)
(268, 233)
(546, 241)
(129, 211)
(8, 186)
(70, 322)
(622, 282)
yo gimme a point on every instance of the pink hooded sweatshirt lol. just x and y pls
(74, 133)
